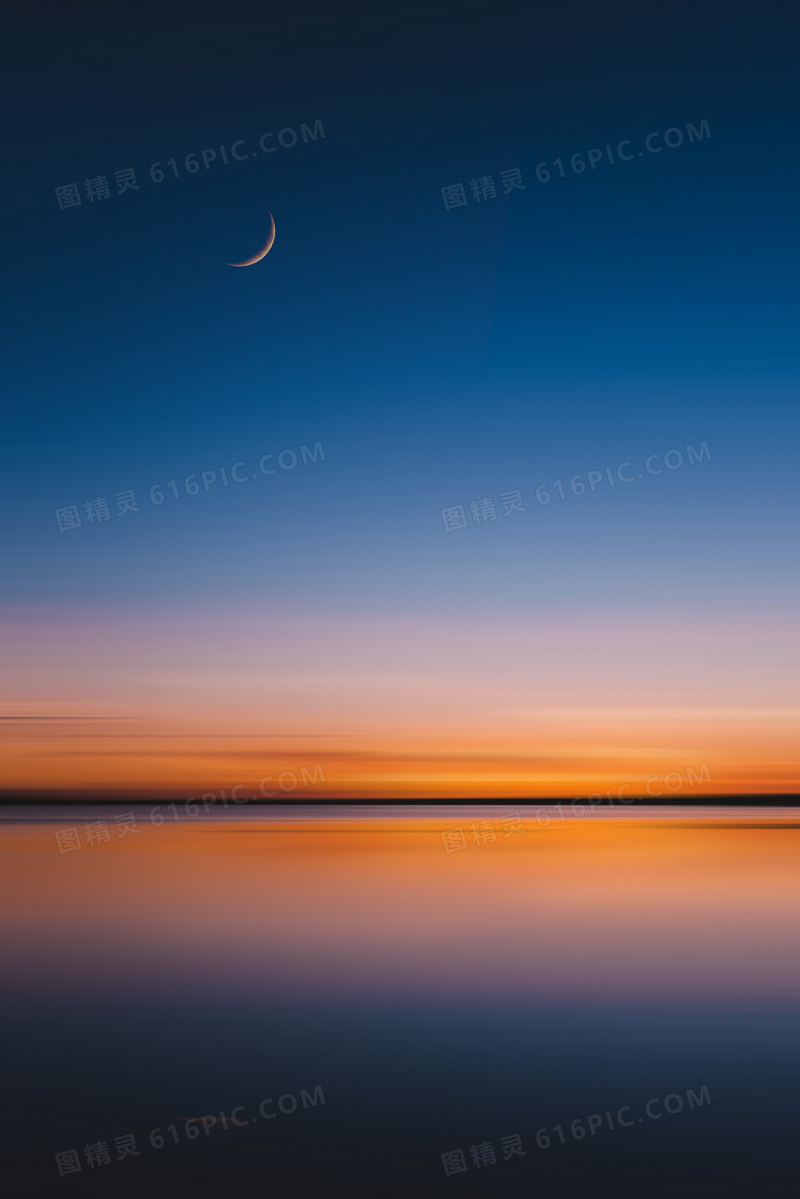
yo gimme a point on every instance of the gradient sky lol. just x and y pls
(323, 614)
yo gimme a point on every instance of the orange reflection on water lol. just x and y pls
(599, 907)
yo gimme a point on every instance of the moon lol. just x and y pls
(265, 249)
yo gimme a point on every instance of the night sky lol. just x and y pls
(441, 356)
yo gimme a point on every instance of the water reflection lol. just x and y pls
(440, 998)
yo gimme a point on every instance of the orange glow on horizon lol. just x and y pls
(398, 708)
(117, 758)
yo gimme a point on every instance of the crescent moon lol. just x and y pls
(262, 253)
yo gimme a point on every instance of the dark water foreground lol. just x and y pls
(474, 1002)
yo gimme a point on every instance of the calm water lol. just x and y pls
(368, 1002)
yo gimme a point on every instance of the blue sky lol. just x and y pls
(439, 356)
